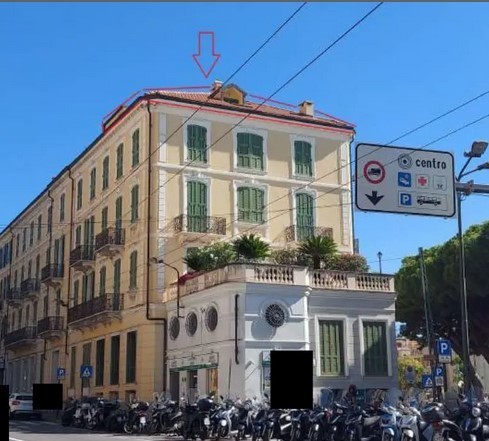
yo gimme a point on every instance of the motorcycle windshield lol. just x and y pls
(326, 398)
(392, 397)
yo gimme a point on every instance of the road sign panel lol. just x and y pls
(403, 180)
(427, 381)
(61, 373)
(86, 371)
(438, 375)
(444, 351)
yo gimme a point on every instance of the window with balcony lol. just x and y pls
(197, 143)
(135, 203)
(118, 212)
(99, 362)
(84, 289)
(102, 280)
(250, 151)
(105, 173)
(62, 208)
(375, 348)
(76, 292)
(78, 232)
(332, 347)
(131, 357)
(304, 216)
(303, 158)
(79, 194)
(115, 343)
(29, 269)
(133, 270)
(93, 183)
(105, 218)
(251, 205)
(117, 276)
(196, 206)
(135, 148)
(72, 367)
(120, 161)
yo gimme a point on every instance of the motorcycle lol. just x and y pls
(137, 420)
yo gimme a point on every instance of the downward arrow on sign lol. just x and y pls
(374, 198)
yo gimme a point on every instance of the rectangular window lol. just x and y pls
(76, 292)
(39, 227)
(105, 218)
(73, 367)
(117, 276)
(135, 203)
(17, 248)
(196, 207)
(197, 143)
(50, 219)
(102, 280)
(91, 285)
(250, 151)
(84, 288)
(375, 348)
(251, 205)
(118, 212)
(62, 208)
(78, 232)
(100, 360)
(120, 161)
(105, 173)
(24, 239)
(303, 158)
(131, 357)
(135, 148)
(133, 270)
(31, 235)
(93, 182)
(79, 194)
(87, 350)
(114, 359)
(332, 347)
(38, 266)
(304, 216)
(91, 231)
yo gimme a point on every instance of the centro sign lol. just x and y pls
(404, 180)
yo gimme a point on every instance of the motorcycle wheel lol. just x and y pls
(240, 435)
(91, 424)
(316, 436)
(267, 435)
(128, 428)
(204, 433)
(254, 437)
(294, 434)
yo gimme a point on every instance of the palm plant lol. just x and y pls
(318, 248)
(199, 259)
(251, 247)
(222, 253)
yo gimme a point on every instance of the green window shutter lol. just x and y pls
(250, 151)
(39, 227)
(375, 348)
(105, 173)
(62, 208)
(133, 270)
(135, 148)
(243, 150)
(257, 151)
(117, 276)
(78, 235)
(120, 161)
(84, 289)
(197, 143)
(131, 351)
(93, 182)
(79, 195)
(118, 212)
(134, 203)
(257, 205)
(304, 216)
(332, 347)
(243, 204)
(303, 158)
(196, 206)
(102, 280)
(100, 362)
(250, 205)
(105, 218)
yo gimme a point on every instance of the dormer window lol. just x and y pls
(231, 93)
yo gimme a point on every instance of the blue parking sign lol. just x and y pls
(61, 373)
(444, 351)
(405, 199)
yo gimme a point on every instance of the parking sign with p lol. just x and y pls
(444, 351)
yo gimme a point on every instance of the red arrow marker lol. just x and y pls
(206, 62)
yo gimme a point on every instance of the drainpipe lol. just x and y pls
(236, 309)
(352, 197)
(148, 244)
(49, 263)
(68, 268)
(5, 323)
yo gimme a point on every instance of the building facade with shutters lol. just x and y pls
(79, 274)
(233, 317)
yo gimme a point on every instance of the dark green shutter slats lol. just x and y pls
(305, 218)
(196, 207)
(250, 151)
(375, 348)
(197, 143)
(118, 212)
(303, 158)
(250, 205)
(332, 347)
(135, 148)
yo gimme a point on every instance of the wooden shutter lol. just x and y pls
(105, 218)
(197, 143)
(256, 151)
(375, 348)
(102, 280)
(304, 216)
(117, 276)
(135, 148)
(118, 212)
(197, 206)
(332, 347)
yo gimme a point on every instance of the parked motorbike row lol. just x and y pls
(384, 418)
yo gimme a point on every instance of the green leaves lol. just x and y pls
(251, 247)
(318, 248)
(210, 257)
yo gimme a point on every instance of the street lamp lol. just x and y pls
(162, 262)
(379, 255)
(477, 150)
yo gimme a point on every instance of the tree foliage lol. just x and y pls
(319, 249)
(251, 247)
(402, 365)
(443, 286)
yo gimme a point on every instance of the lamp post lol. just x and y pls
(477, 150)
(162, 262)
(379, 255)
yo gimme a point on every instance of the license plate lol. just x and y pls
(207, 422)
(143, 420)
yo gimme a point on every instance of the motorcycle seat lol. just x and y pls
(370, 421)
(423, 425)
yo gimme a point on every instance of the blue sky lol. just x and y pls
(67, 65)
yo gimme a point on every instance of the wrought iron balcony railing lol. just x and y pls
(52, 271)
(13, 295)
(109, 302)
(82, 253)
(200, 224)
(110, 237)
(29, 286)
(21, 335)
(294, 232)
(50, 324)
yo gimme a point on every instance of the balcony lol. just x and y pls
(102, 309)
(110, 241)
(50, 327)
(52, 274)
(21, 337)
(82, 258)
(13, 296)
(29, 288)
(297, 233)
(194, 226)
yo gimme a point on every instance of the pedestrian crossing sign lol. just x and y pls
(427, 381)
(86, 371)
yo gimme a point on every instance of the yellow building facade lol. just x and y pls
(84, 269)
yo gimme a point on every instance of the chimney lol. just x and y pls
(216, 90)
(306, 108)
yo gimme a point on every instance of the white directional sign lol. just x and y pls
(402, 180)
